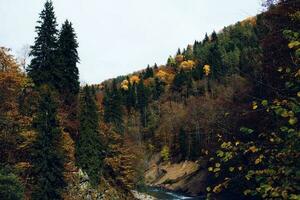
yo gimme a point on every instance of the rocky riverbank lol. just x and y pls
(142, 196)
(188, 177)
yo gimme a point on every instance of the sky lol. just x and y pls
(117, 37)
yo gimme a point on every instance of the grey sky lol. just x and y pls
(117, 37)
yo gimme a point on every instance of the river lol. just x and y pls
(161, 194)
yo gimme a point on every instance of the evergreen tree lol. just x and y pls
(107, 105)
(142, 101)
(206, 39)
(215, 61)
(214, 36)
(47, 158)
(130, 96)
(179, 81)
(89, 150)
(68, 58)
(42, 68)
(158, 88)
(182, 143)
(148, 73)
(11, 187)
(178, 52)
(113, 112)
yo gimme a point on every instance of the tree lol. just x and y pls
(130, 95)
(10, 186)
(11, 84)
(89, 149)
(214, 36)
(47, 157)
(158, 88)
(206, 39)
(142, 101)
(148, 73)
(183, 143)
(43, 66)
(68, 58)
(113, 111)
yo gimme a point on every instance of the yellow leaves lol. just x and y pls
(231, 169)
(218, 165)
(165, 75)
(293, 121)
(210, 169)
(237, 143)
(240, 168)
(165, 153)
(294, 44)
(254, 105)
(226, 145)
(124, 84)
(161, 74)
(259, 159)
(187, 65)
(206, 70)
(247, 192)
(218, 188)
(298, 73)
(253, 149)
(298, 94)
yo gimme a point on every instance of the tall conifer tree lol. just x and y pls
(68, 58)
(47, 157)
(42, 68)
(142, 100)
(89, 149)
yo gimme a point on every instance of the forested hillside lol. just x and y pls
(219, 119)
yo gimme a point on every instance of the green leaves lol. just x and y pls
(246, 130)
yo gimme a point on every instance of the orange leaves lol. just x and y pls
(165, 76)
(134, 79)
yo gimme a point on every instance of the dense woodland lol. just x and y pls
(231, 99)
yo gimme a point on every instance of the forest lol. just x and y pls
(219, 119)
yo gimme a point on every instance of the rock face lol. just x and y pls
(81, 189)
(188, 177)
(142, 196)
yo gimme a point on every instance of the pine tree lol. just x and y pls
(130, 96)
(113, 111)
(148, 73)
(206, 39)
(107, 105)
(42, 68)
(158, 88)
(142, 101)
(68, 58)
(182, 143)
(214, 36)
(47, 157)
(89, 150)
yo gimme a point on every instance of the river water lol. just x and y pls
(167, 195)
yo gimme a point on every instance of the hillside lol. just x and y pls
(218, 120)
(213, 102)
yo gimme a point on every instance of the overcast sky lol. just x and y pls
(117, 37)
